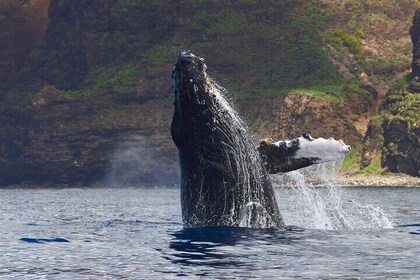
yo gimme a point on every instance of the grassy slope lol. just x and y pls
(262, 49)
(272, 48)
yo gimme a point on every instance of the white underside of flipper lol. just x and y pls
(326, 150)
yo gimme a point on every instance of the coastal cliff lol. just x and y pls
(91, 97)
(396, 140)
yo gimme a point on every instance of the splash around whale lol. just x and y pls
(224, 179)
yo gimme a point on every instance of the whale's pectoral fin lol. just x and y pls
(281, 158)
(289, 155)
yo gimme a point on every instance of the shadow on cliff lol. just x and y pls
(138, 162)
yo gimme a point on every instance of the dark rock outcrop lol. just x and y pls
(372, 143)
(23, 24)
(84, 38)
(400, 115)
(415, 38)
(401, 146)
(64, 53)
(401, 129)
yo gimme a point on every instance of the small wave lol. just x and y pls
(117, 222)
(409, 225)
(44, 240)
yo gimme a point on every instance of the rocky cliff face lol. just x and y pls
(72, 127)
(398, 126)
(98, 103)
(415, 38)
(84, 37)
(301, 113)
(289, 116)
(401, 146)
(69, 139)
(401, 129)
(373, 142)
(401, 116)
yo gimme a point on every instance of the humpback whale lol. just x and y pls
(223, 180)
(224, 176)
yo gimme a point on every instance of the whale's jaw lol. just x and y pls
(223, 182)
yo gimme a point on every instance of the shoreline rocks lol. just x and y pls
(394, 180)
(344, 180)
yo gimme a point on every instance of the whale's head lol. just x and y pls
(199, 108)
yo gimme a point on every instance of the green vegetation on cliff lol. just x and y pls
(273, 46)
(115, 79)
(400, 123)
(353, 42)
(101, 70)
(401, 103)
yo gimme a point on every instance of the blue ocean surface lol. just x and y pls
(137, 233)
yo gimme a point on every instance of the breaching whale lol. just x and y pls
(224, 179)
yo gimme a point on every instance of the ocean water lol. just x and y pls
(136, 233)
